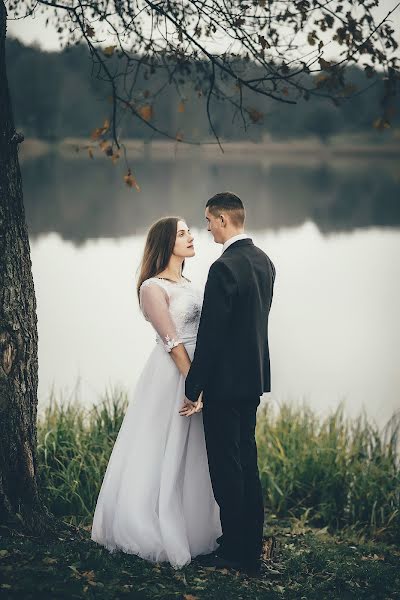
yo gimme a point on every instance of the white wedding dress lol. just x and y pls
(156, 499)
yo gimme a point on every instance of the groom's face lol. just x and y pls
(214, 225)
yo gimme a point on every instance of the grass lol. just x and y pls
(331, 489)
(339, 473)
(333, 472)
(313, 565)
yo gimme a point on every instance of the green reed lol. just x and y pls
(74, 446)
(333, 471)
(337, 471)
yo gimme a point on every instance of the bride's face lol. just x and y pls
(184, 241)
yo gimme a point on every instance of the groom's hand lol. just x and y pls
(189, 408)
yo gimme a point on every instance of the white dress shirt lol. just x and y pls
(235, 238)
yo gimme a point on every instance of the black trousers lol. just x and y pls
(229, 426)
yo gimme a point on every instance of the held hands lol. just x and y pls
(189, 408)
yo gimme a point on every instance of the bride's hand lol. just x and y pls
(189, 408)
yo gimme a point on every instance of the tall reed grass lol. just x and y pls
(334, 471)
(338, 471)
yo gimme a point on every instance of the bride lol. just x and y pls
(156, 499)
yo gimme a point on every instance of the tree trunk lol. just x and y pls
(20, 503)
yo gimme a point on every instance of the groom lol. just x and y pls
(231, 367)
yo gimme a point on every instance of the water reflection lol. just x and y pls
(82, 199)
(331, 230)
(334, 327)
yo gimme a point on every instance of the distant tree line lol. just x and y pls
(54, 97)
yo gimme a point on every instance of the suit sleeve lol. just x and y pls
(221, 287)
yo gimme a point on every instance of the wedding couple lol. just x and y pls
(182, 479)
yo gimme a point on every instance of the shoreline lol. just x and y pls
(307, 151)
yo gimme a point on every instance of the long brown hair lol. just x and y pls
(158, 248)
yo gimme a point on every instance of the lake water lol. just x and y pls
(331, 228)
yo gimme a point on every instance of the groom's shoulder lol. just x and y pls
(222, 267)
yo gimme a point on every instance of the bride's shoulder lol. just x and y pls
(152, 281)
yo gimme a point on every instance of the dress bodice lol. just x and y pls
(173, 309)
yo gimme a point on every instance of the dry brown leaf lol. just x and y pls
(90, 31)
(49, 561)
(146, 112)
(255, 115)
(181, 107)
(96, 133)
(89, 575)
(131, 181)
(109, 51)
(190, 597)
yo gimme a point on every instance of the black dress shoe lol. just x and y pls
(219, 561)
(260, 568)
(252, 569)
(203, 558)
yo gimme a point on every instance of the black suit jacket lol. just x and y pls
(232, 353)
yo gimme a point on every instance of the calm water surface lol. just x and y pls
(331, 230)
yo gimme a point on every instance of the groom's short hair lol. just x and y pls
(229, 202)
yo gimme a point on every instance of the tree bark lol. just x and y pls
(20, 503)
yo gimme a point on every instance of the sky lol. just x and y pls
(32, 30)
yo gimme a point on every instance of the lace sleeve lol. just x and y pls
(154, 305)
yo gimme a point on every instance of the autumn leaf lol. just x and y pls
(369, 71)
(90, 31)
(49, 561)
(321, 79)
(99, 131)
(312, 38)
(131, 181)
(146, 112)
(190, 597)
(181, 107)
(374, 557)
(109, 51)
(89, 575)
(255, 115)
(381, 124)
(324, 64)
(96, 133)
(105, 145)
